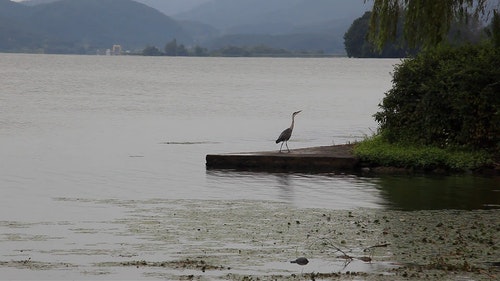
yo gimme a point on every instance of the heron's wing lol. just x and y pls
(285, 135)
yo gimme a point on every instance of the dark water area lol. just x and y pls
(462, 192)
(390, 192)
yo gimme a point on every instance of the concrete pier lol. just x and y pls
(314, 159)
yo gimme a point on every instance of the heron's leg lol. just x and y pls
(286, 143)
(281, 145)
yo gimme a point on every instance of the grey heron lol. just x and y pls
(287, 133)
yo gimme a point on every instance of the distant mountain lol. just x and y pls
(107, 22)
(36, 2)
(172, 7)
(168, 7)
(326, 37)
(85, 26)
(82, 26)
(12, 10)
(308, 25)
(15, 33)
(306, 42)
(201, 33)
(272, 16)
(224, 14)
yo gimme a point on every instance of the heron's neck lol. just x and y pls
(293, 121)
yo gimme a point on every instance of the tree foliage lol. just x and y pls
(445, 97)
(494, 31)
(426, 23)
(151, 51)
(357, 44)
(174, 49)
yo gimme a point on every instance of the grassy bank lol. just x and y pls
(377, 151)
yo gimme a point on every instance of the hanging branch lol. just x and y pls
(426, 23)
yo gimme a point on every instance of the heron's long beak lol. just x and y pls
(297, 112)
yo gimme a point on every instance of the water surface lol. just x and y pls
(140, 127)
(98, 154)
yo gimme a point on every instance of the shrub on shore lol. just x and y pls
(377, 150)
(443, 111)
(445, 97)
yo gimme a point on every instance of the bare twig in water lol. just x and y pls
(376, 246)
(328, 243)
(372, 248)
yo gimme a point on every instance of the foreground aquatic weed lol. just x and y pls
(198, 264)
(34, 265)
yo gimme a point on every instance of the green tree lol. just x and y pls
(494, 30)
(174, 49)
(357, 44)
(426, 23)
(233, 51)
(445, 97)
(151, 51)
(182, 51)
(356, 35)
(200, 52)
(171, 48)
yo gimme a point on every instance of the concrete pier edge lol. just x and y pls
(334, 158)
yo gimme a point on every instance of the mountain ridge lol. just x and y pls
(76, 26)
(89, 25)
(231, 16)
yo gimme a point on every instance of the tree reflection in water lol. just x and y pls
(440, 192)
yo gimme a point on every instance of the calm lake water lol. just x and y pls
(140, 127)
(93, 147)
